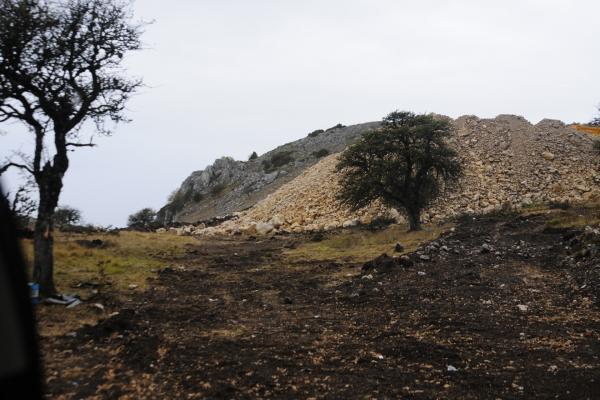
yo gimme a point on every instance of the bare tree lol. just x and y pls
(60, 66)
(596, 121)
(21, 204)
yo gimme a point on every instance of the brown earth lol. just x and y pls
(502, 307)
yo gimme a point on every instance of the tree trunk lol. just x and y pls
(43, 238)
(414, 219)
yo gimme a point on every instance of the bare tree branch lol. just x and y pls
(6, 167)
(69, 144)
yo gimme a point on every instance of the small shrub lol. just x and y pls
(197, 197)
(178, 200)
(143, 220)
(559, 205)
(253, 156)
(380, 223)
(217, 189)
(338, 126)
(320, 153)
(316, 133)
(267, 165)
(278, 160)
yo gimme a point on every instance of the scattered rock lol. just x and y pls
(398, 248)
(264, 228)
(350, 223)
(317, 237)
(548, 156)
(486, 248)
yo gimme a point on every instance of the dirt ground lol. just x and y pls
(500, 307)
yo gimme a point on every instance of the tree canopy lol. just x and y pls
(143, 220)
(404, 164)
(61, 66)
(65, 216)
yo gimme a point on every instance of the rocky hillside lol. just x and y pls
(229, 186)
(508, 163)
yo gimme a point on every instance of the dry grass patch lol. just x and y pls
(361, 246)
(578, 217)
(128, 258)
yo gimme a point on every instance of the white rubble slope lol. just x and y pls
(507, 162)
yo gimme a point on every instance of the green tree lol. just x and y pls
(65, 216)
(404, 164)
(143, 220)
(60, 67)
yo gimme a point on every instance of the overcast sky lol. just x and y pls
(230, 77)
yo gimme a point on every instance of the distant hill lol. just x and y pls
(228, 186)
(508, 163)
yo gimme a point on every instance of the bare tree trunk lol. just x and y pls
(43, 239)
(414, 219)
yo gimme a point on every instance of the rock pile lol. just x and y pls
(507, 161)
(228, 186)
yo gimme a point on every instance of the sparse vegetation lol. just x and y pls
(217, 189)
(197, 197)
(363, 245)
(404, 164)
(338, 126)
(316, 133)
(66, 216)
(596, 121)
(320, 153)
(253, 156)
(278, 160)
(559, 205)
(129, 259)
(143, 220)
(380, 223)
(178, 199)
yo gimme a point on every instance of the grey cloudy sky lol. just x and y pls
(230, 77)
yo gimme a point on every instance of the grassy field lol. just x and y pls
(122, 260)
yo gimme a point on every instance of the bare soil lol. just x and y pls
(503, 307)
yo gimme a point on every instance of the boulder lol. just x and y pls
(276, 221)
(263, 228)
(548, 156)
(350, 223)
